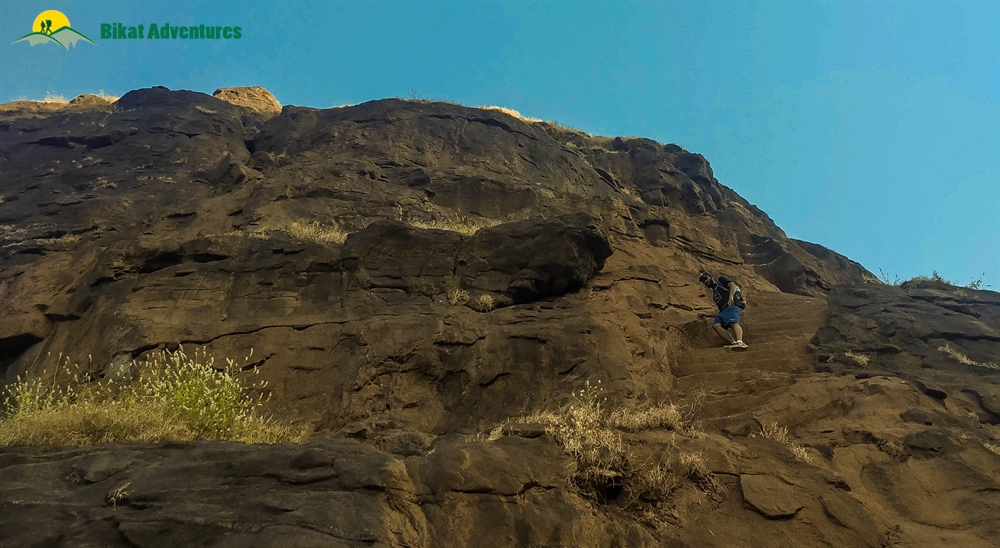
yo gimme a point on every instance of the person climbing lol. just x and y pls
(729, 299)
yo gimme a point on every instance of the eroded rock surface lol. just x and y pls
(175, 219)
(412, 274)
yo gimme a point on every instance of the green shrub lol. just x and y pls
(175, 397)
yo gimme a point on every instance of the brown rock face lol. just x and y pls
(176, 219)
(411, 274)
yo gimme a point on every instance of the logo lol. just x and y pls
(52, 27)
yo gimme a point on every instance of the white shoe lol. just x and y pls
(739, 345)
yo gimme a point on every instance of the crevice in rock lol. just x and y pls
(208, 257)
(160, 261)
(55, 317)
(495, 378)
(11, 348)
(955, 337)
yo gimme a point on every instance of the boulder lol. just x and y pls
(253, 98)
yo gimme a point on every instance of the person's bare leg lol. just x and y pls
(739, 331)
(723, 333)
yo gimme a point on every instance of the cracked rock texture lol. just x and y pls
(410, 274)
(170, 218)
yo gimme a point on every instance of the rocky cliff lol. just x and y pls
(410, 274)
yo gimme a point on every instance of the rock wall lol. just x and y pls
(329, 240)
(410, 274)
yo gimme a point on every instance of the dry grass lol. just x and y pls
(107, 97)
(992, 448)
(631, 192)
(361, 278)
(457, 297)
(859, 359)
(651, 483)
(114, 496)
(420, 286)
(693, 467)
(780, 434)
(962, 358)
(310, 232)
(585, 429)
(936, 279)
(667, 416)
(174, 397)
(466, 226)
(512, 112)
(493, 435)
(483, 303)
(10, 232)
(454, 293)
(581, 428)
(53, 98)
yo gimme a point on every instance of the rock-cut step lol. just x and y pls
(721, 383)
(731, 405)
(788, 364)
(726, 387)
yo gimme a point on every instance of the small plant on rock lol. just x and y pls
(606, 464)
(977, 283)
(175, 397)
(860, 359)
(453, 291)
(483, 303)
(772, 431)
(964, 359)
(887, 280)
(362, 279)
(300, 230)
(693, 465)
(114, 496)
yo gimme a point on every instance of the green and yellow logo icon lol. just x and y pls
(52, 27)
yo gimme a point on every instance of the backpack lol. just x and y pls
(723, 294)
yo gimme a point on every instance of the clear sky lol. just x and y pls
(872, 128)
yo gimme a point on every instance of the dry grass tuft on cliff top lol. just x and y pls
(175, 397)
(512, 112)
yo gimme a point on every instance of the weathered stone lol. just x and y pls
(930, 390)
(769, 496)
(928, 440)
(846, 512)
(918, 416)
(101, 466)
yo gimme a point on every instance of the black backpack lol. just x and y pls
(723, 294)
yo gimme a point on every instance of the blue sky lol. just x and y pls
(872, 128)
